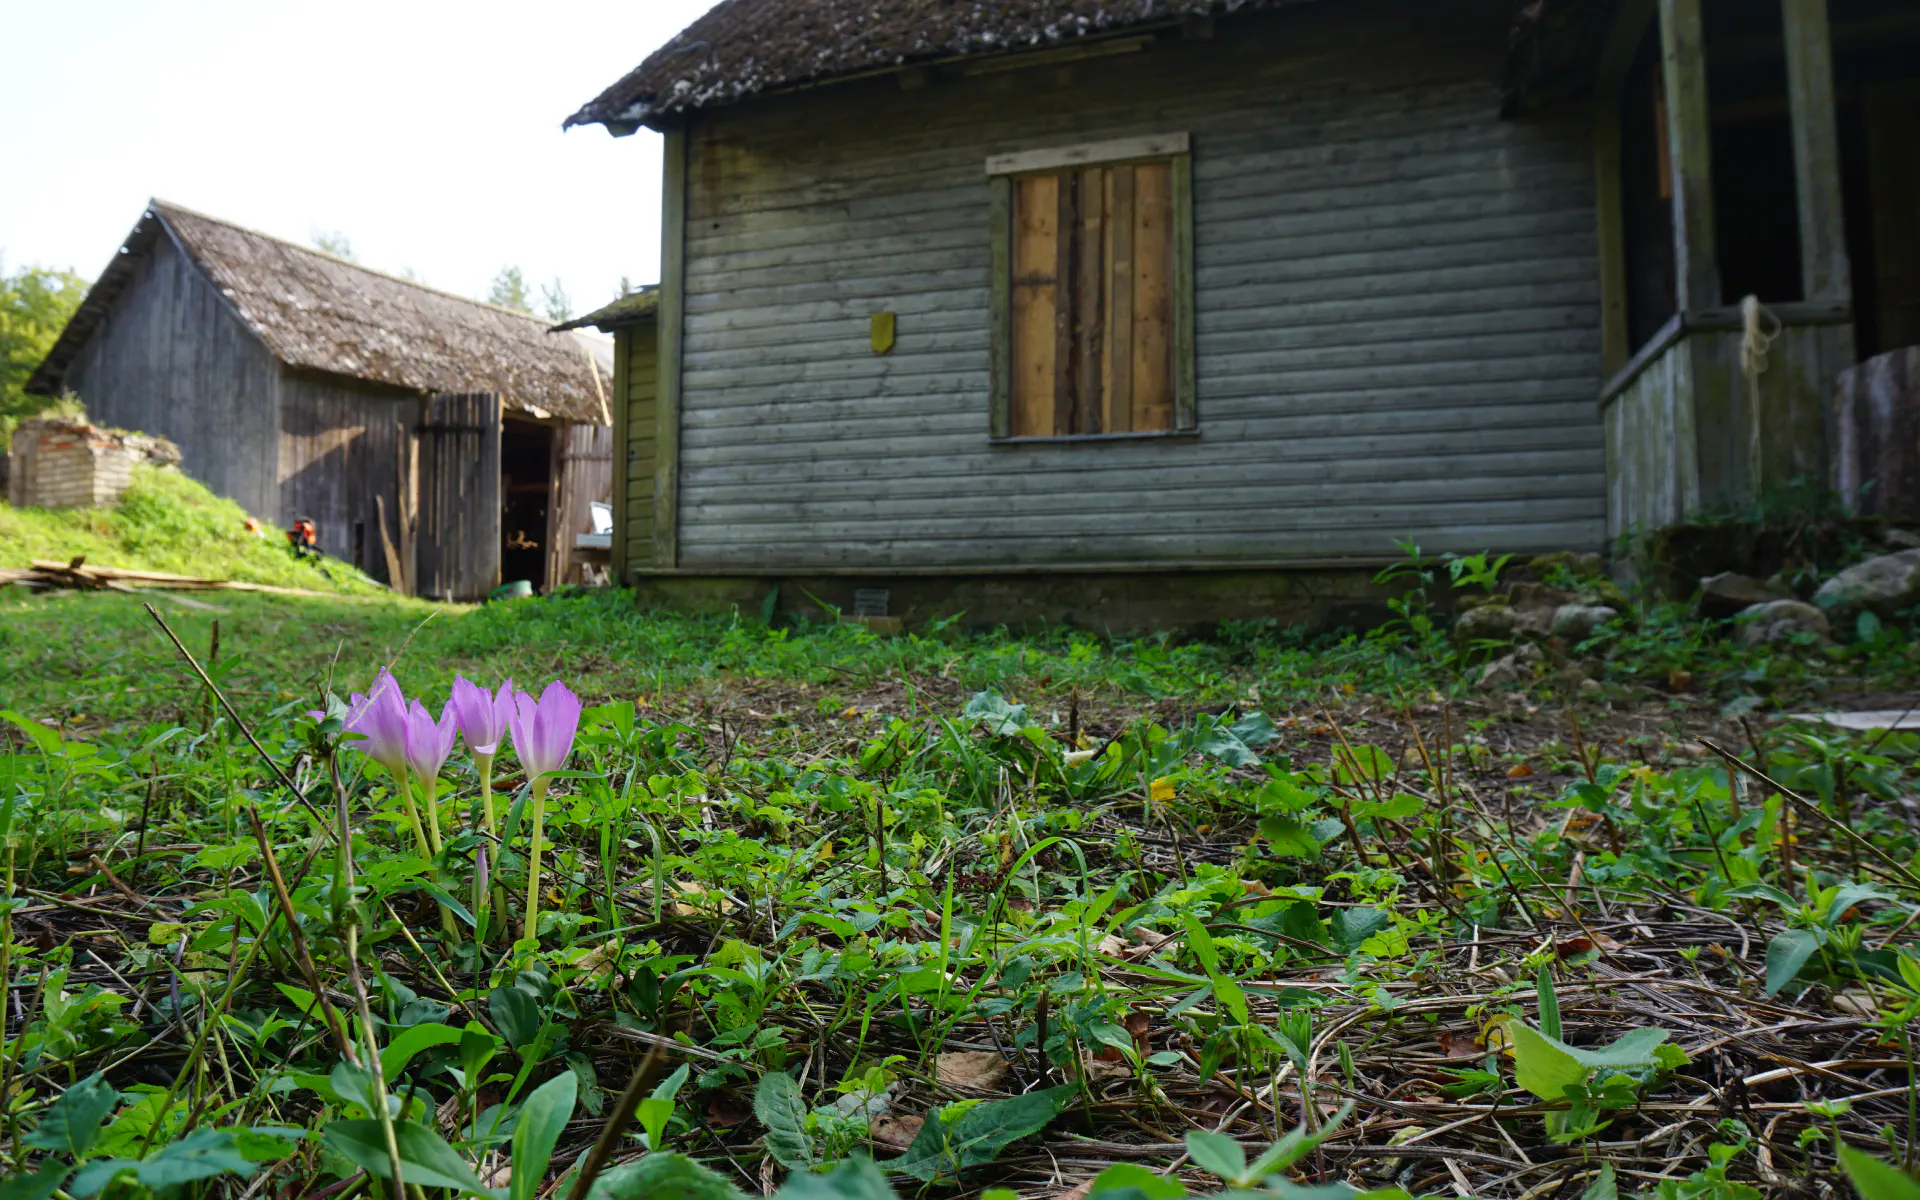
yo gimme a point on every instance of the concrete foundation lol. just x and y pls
(1194, 601)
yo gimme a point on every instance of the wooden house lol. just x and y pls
(632, 320)
(438, 443)
(1194, 308)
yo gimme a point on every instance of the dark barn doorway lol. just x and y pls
(526, 490)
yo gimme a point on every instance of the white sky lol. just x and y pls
(427, 132)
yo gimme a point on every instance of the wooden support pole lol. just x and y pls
(622, 447)
(1825, 271)
(1629, 29)
(673, 307)
(1683, 64)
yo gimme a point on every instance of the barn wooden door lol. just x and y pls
(583, 473)
(457, 544)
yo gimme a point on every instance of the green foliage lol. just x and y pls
(946, 1145)
(1874, 1179)
(35, 305)
(509, 290)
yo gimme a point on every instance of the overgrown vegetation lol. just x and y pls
(35, 304)
(951, 913)
(168, 521)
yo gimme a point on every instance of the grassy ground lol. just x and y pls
(167, 522)
(995, 912)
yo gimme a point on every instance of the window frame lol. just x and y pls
(1175, 149)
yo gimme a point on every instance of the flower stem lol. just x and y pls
(428, 788)
(485, 763)
(405, 787)
(532, 930)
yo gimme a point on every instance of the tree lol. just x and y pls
(35, 305)
(554, 298)
(335, 243)
(510, 290)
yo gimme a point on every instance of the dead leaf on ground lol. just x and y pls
(1099, 1070)
(1459, 1044)
(974, 1070)
(1079, 1191)
(897, 1133)
(1519, 771)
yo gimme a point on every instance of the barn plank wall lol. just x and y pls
(171, 358)
(340, 442)
(1396, 305)
(642, 383)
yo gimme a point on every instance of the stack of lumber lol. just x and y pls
(79, 575)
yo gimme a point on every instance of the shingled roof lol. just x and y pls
(322, 313)
(742, 48)
(636, 306)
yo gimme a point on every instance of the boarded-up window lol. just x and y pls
(1096, 324)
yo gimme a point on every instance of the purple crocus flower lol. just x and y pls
(429, 742)
(543, 729)
(483, 718)
(378, 720)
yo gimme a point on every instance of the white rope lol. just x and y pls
(1756, 343)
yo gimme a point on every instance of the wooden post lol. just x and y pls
(1683, 64)
(1629, 29)
(622, 448)
(1825, 271)
(673, 307)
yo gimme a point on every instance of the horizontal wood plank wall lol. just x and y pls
(641, 399)
(170, 358)
(1396, 311)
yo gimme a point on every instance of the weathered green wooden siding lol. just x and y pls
(1396, 311)
(638, 349)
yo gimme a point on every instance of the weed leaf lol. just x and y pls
(778, 1104)
(542, 1118)
(72, 1122)
(515, 1015)
(37, 1186)
(1217, 1154)
(661, 1177)
(854, 1179)
(425, 1157)
(1786, 954)
(1876, 1180)
(410, 1042)
(1604, 1185)
(942, 1151)
(1129, 1181)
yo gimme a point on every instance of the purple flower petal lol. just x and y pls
(483, 717)
(378, 722)
(429, 741)
(543, 729)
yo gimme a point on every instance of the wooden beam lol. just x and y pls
(622, 450)
(673, 307)
(1825, 272)
(1630, 26)
(1088, 154)
(1000, 306)
(1683, 65)
(1185, 403)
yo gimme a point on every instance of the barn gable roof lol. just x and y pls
(743, 48)
(322, 313)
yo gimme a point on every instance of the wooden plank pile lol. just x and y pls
(78, 575)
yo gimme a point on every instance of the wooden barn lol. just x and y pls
(1193, 308)
(440, 444)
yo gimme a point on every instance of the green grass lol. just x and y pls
(1131, 890)
(168, 521)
